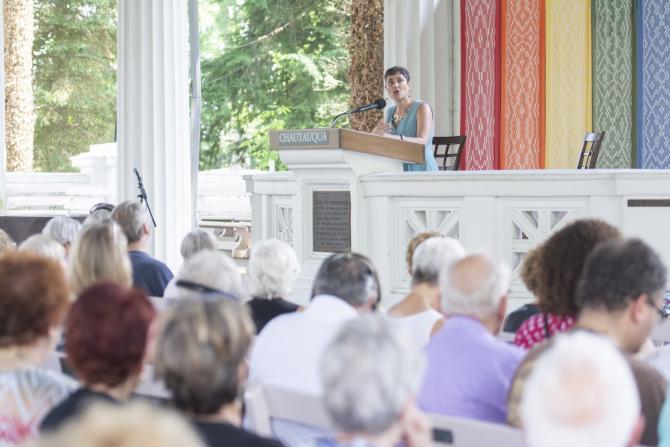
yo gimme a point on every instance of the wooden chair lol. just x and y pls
(267, 402)
(459, 432)
(451, 155)
(588, 157)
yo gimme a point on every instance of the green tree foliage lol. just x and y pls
(74, 78)
(269, 64)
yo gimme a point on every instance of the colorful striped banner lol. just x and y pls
(568, 80)
(613, 80)
(653, 90)
(480, 80)
(522, 90)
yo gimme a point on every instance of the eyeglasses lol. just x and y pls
(205, 290)
(659, 312)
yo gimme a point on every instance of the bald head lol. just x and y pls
(474, 286)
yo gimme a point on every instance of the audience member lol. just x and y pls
(288, 350)
(6, 242)
(528, 274)
(415, 242)
(106, 335)
(554, 279)
(149, 273)
(63, 230)
(619, 294)
(210, 273)
(469, 370)
(33, 301)
(100, 253)
(418, 311)
(201, 357)
(273, 268)
(194, 242)
(371, 373)
(132, 425)
(45, 246)
(100, 212)
(581, 393)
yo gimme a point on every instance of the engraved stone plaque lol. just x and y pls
(331, 221)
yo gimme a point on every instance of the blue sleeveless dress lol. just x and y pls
(407, 127)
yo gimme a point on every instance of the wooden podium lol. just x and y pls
(318, 207)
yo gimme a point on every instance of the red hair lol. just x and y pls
(106, 333)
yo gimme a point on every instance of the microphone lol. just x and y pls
(378, 104)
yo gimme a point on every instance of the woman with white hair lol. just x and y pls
(45, 246)
(210, 273)
(273, 268)
(371, 373)
(419, 312)
(63, 230)
(195, 241)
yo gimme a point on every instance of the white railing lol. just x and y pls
(222, 195)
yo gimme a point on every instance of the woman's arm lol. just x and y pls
(424, 122)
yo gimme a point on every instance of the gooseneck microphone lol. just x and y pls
(378, 104)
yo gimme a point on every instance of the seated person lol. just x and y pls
(100, 253)
(63, 230)
(34, 299)
(45, 246)
(195, 241)
(201, 355)
(417, 312)
(132, 425)
(273, 268)
(553, 280)
(469, 370)
(106, 335)
(371, 372)
(149, 273)
(211, 273)
(619, 293)
(581, 393)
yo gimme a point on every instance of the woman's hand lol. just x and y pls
(382, 128)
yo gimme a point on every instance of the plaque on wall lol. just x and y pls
(331, 229)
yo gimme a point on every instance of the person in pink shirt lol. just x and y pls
(557, 266)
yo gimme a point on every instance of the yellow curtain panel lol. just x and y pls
(568, 80)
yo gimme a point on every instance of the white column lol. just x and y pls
(3, 162)
(424, 37)
(153, 115)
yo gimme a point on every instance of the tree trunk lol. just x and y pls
(19, 106)
(366, 49)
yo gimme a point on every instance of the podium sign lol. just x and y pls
(331, 217)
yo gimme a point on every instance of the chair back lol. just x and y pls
(460, 432)
(448, 151)
(267, 402)
(588, 157)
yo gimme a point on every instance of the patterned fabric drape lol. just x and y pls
(522, 79)
(568, 88)
(613, 80)
(480, 107)
(653, 77)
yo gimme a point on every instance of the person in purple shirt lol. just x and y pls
(470, 371)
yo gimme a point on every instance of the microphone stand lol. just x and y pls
(332, 123)
(143, 195)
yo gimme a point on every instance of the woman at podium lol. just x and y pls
(410, 120)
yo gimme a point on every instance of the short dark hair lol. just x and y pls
(34, 297)
(397, 69)
(348, 276)
(106, 333)
(617, 272)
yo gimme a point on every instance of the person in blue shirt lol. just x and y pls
(408, 120)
